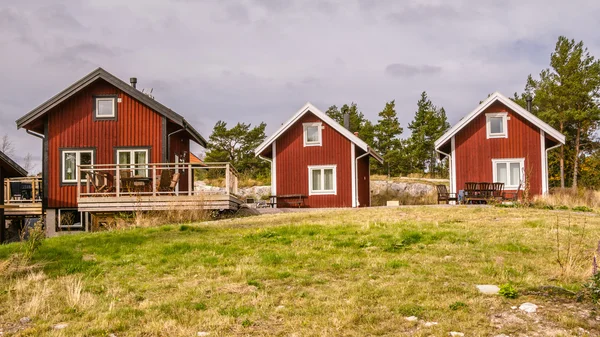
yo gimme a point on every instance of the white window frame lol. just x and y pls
(132, 165)
(322, 168)
(82, 217)
(488, 125)
(305, 127)
(113, 104)
(508, 161)
(77, 163)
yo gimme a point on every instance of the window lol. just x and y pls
(312, 134)
(105, 107)
(73, 158)
(135, 158)
(508, 171)
(321, 180)
(71, 218)
(496, 125)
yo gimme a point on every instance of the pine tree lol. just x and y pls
(358, 122)
(386, 134)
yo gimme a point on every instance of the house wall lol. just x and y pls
(71, 125)
(364, 180)
(293, 160)
(2, 224)
(179, 144)
(474, 153)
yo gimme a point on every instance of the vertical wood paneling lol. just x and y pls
(293, 160)
(364, 180)
(71, 125)
(474, 153)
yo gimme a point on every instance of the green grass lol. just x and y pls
(347, 272)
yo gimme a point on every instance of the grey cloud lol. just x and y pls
(57, 16)
(425, 13)
(407, 70)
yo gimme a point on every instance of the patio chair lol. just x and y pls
(471, 191)
(125, 182)
(512, 196)
(444, 196)
(498, 191)
(164, 185)
(174, 182)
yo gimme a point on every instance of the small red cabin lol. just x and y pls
(316, 162)
(499, 141)
(102, 120)
(8, 169)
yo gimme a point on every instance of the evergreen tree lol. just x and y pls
(429, 124)
(566, 96)
(358, 123)
(236, 145)
(386, 138)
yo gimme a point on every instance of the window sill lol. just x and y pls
(312, 144)
(497, 136)
(322, 193)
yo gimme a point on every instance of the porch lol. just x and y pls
(157, 186)
(23, 196)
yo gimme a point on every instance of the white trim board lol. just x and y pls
(498, 97)
(308, 107)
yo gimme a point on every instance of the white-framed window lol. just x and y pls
(496, 125)
(73, 158)
(322, 179)
(509, 171)
(135, 158)
(71, 218)
(105, 107)
(313, 134)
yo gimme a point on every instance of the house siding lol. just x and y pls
(71, 125)
(293, 160)
(474, 153)
(364, 180)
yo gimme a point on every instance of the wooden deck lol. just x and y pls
(24, 209)
(22, 197)
(158, 203)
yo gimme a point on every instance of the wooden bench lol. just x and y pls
(286, 200)
(483, 192)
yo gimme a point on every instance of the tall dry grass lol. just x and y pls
(570, 198)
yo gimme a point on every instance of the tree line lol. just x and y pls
(565, 95)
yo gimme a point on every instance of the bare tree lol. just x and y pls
(6, 146)
(28, 164)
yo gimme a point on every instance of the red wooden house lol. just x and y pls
(317, 162)
(499, 141)
(103, 129)
(8, 169)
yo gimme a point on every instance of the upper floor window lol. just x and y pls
(496, 125)
(105, 107)
(312, 134)
(73, 158)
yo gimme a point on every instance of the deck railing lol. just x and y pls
(156, 179)
(26, 190)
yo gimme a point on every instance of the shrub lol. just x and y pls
(508, 291)
(33, 237)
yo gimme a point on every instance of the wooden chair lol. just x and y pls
(498, 191)
(444, 195)
(511, 196)
(125, 183)
(174, 182)
(164, 185)
(471, 191)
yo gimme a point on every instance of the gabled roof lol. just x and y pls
(498, 97)
(125, 87)
(308, 107)
(14, 169)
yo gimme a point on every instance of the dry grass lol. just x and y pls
(570, 198)
(340, 272)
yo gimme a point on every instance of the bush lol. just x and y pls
(508, 291)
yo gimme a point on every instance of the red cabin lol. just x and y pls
(103, 140)
(316, 162)
(501, 142)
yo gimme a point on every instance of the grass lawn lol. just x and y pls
(329, 273)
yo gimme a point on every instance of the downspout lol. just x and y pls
(546, 163)
(449, 167)
(356, 177)
(271, 163)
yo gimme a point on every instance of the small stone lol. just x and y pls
(456, 334)
(60, 326)
(202, 333)
(412, 318)
(528, 307)
(502, 335)
(280, 307)
(112, 335)
(488, 289)
(25, 320)
(430, 324)
(447, 257)
(513, 308)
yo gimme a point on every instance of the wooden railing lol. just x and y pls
(154, 179)
(27, 190)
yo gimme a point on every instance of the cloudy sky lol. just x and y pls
(261, 60)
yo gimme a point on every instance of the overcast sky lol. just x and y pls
(261, 60)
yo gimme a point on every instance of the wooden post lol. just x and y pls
(33, 183)
(153, 180)
(190, 187)
(118, 180)
(78, 181)
(2, 223)
(88, 184)
(227, 178)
